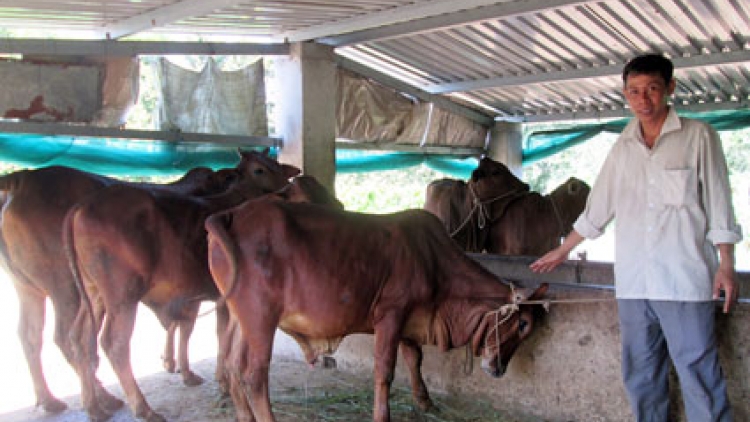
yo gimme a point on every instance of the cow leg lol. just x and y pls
(104, 397)
(255, 379)
(168, 357)
(412, 354)
(116, 335)
(189, 378)
(30, 332)
(387, 333)
(258, 331)
(98, 402)
(67, 337)
(222, 328)
(243, 412)
(236, 363)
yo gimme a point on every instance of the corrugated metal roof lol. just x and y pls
(528, 60)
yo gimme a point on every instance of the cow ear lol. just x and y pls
(525, 294)
(539, 292)
(573, 186)
(290, 171)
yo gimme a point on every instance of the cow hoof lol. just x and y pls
(110, 402)
(191, 380)
(154, 417)
(53, 405)
(97, 414)
(169, 365)
(424, 403)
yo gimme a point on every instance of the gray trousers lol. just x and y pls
(652, 332)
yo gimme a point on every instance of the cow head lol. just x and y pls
(570, 200)
(503, 329)
(306, 188)
(491, 179)
(205, 181)
(264, 172)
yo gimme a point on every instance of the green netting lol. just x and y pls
(119, 157)
(127, 157)
(356, 161)
(113, 156)
(542, 144)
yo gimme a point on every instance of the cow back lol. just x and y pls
(533, 224)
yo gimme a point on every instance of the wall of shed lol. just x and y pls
(569, 370)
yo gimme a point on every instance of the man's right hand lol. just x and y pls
(555, 257)
(549, 261)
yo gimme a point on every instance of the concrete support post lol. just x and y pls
(505, 145)
(307, 110)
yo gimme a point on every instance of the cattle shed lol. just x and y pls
(421, 81)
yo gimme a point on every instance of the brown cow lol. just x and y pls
(128, 245)
(533, 224)
(36, 202)
(496, 212)
(233, 346)
(464, 207)
(321, 274)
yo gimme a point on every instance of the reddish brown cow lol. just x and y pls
(321, 274)
(36, 202)
(233, 346)
(130, 245)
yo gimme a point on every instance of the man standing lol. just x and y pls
(665, 184)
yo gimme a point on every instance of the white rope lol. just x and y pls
(506, 311)
(479, 206)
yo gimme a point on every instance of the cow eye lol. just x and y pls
(523, 325)
(258, 171)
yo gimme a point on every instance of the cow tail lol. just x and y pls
(70, 252)
(218, 234)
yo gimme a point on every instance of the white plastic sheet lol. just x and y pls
(34, 91)
(369, 112)
(212, 100)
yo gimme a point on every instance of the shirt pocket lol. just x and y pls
(679, 187)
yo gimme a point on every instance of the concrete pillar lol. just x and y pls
(505, 145)
(307, 110)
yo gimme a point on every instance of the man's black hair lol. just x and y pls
(649, 64)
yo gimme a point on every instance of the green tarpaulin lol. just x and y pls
(542, 144)
(115, 156)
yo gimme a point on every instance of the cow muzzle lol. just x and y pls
(493, 367)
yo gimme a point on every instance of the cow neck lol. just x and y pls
(461, 315)
(558, 216)
(481, 212)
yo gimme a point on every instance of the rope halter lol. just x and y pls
(480, 207)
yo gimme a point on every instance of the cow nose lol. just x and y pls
(495, 371)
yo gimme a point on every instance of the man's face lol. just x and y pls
(647, 95)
